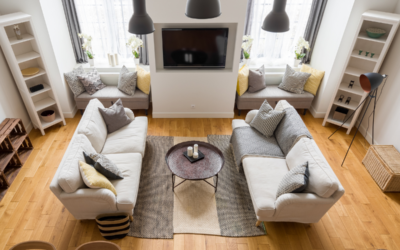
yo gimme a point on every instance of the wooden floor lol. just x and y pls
(365, 218)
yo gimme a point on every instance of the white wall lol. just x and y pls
(329, 55)
(211, 91)
(387, 118)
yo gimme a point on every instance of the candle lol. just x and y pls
(116, 59)
(112, 61)
(109, 59)
(190, 151)
(195, 155)
(196, 148)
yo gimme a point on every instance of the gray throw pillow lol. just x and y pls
(104, 166)
(115, 116)
(73, 82)
(256, 80)
(294, 81)
(267, 119)
(294, 181)
(91, 81)
(127, 81)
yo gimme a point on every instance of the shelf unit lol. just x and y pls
(15, 148)
(357, 64)
(26, 53)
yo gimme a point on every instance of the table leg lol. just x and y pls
(216, 183)
(173, 183)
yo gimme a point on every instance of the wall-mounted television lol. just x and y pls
(194, 47)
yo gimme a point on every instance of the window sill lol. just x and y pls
(103, 66)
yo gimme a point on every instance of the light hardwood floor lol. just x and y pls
(365, 218)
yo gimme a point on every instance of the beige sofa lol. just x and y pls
(125, 147)
(264, 174)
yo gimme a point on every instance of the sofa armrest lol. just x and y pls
(250, 115)
(129, 113)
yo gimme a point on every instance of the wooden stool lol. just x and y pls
(33, 245)
(99, 245)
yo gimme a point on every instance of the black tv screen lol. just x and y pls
(194, 48)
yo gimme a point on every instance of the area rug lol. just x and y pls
(194, 207)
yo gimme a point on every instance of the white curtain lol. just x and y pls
(277, 49)
(107, 22)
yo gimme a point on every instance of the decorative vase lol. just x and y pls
(296, 62)
(91, 62)
(136, 61)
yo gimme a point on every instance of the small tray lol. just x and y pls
(191, 159)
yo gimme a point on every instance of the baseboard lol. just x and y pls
(193, 114)
(316, 114)
(367, 135)
(71, 114)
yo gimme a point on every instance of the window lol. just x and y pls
(107, 22)
(277, 49)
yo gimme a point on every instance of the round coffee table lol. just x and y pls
(200, 170)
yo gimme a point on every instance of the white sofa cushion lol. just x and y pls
(128, 139)
(127, 189)
(237, 123)
(93, 126)
(322, 179)
(69, 177)
(263, 176)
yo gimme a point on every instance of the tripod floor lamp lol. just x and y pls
(369, 83)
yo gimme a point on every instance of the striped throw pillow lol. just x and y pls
(294, 181)
(267, 119)
(113, 226)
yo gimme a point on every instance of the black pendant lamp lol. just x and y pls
(140, 23)
(277, 20)
(371, 81)
(203, 9)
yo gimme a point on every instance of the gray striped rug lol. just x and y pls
(159, 213)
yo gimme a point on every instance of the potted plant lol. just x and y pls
(299, 50)
(134, 43)
(87, 47)
(247, 42)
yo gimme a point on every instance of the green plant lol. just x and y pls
(299, 56)
(246, 55)
(135, 53)
(89, 54)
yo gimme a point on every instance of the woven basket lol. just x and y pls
(114, 226)
(383, 164)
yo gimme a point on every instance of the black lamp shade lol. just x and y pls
(370, 81)
(140, 23)
(203, 9)
(277, 20)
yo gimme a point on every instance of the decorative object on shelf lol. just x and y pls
(30, 71)
(87, 47)
(348, 100)
(48, 115)
(351, 84)
(375, 32)
(203, 9)
(277, 20)
(360, 52)
(341, 97)
(116, 59)
(112, 60)
(247, 42)
(190, 151)
(17, 32)
(196, 148)
(140, 23)
(340, 114)
(372, 55)
(195, 156)
(36, 88)
(369, 83)
(134, 43)
(109, 58)
(299, 51)
(366, 53)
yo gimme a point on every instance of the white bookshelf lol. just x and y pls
(357, 64)
(26, 53)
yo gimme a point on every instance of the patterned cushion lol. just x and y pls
(106, 167)
(295, 181)
(267, 119)
(127, 81)
(91, 81)
(73, 82)
(94, 179)
(294, 81)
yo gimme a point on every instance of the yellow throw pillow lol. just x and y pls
(314, 80)
(243, 80)
(143, 80)
(94, 179)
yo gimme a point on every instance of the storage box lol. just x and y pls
(383, 164)
(340, 114)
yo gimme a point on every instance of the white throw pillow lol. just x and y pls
(322, 179)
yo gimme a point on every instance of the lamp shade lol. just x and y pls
(140, 23)
(277, 20)
(370, 81)
(203, 9)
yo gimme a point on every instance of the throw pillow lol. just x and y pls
(127, 81)
(294, 181)
(115, 116)
(88, 160)
(94, 179)
(257, 80)
(143, 80)
(91, 81)
(315, 79)
(243, 80)
(73, 82)
(294, 81)
(267, 119)
(106, 167)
